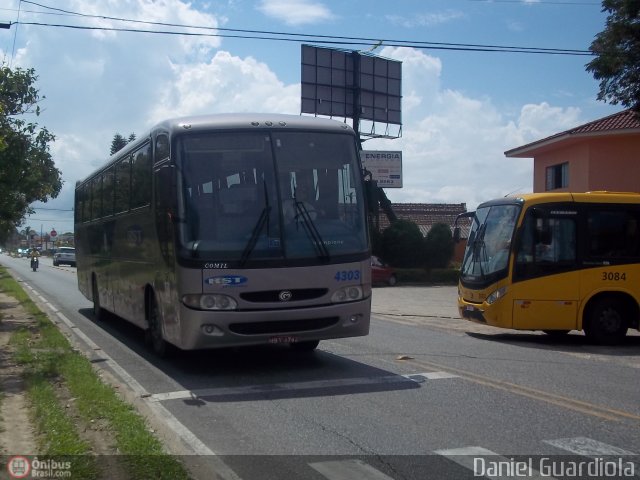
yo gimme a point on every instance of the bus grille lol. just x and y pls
(283, 326)
(274, 295)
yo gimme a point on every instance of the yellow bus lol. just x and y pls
(554, 262)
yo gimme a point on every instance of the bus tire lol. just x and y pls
(607, 321)
(308, 346)
(98, 312)
(154, 334)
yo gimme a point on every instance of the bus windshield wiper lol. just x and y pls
(255, 233)
(311, 229)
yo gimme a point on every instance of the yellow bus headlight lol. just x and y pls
(497, 295)
(210, 301)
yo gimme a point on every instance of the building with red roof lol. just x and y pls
(599, 155)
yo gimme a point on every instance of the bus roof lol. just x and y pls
(234, 121)
(579, 197)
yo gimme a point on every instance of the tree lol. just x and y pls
(439, 246)
(119, 142)
(403, 244)
(617, 50)
(27, 171)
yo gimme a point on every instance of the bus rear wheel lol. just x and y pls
(154, 335)
(607, 321)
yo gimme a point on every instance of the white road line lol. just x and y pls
(297, 386)
(486, 463)
(187, 437)
(348, 470)
(587, 447)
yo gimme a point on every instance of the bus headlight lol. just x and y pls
(497, 295)
(210, 301)
(347, 294)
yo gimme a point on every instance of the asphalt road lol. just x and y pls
(425, 395)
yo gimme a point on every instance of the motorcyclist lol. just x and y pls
(34, 255)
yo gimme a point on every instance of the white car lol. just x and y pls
(65, 255)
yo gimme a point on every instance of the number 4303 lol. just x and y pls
(347, 275)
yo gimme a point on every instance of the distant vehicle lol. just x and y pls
(382, 273)
(65, 256)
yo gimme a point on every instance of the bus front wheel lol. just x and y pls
(154, 333)
(607, 321)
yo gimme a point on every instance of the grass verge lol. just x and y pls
(48, 358)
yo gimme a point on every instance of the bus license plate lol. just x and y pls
(284, 339)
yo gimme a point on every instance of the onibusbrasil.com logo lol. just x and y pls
(23, 467)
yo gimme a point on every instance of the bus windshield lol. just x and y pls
(269, 195)
(489, 243)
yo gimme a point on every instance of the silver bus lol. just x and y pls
(229, 230)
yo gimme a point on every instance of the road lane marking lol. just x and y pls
(529, 392)
(587, 447)
(348, 470)
(271, 388)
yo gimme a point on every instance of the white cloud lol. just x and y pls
(226, 84)
(453, 146)
(296, 12)
(425, 19)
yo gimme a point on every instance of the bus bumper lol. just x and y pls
(472, 313)
(219, 329)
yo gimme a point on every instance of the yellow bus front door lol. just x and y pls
(546, 303)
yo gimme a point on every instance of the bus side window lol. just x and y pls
(141, 177)
(162, 148)
(613, 234)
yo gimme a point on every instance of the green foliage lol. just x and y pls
(119, 142)
(403, 244)
(617, 50)
(439, 246)
(27, 171)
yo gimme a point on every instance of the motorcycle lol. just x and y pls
(34, 263)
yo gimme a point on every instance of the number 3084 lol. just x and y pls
(614, 276)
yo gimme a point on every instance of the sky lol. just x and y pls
(461, 109)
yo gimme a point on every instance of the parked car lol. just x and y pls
(65, 255)
(382, 273)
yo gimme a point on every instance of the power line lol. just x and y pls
(322, 39)
(295, 37)
(541, 2)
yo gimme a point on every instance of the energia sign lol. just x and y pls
(385, 167)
